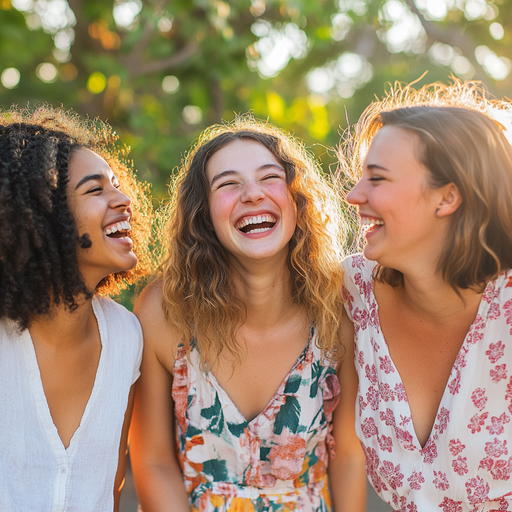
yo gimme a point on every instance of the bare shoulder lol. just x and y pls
(160, 337)
(148, 305)
(347, 332)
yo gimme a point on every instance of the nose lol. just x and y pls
(120, 200)
(252, 192)
(357, 195)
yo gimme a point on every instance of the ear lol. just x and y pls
(451, 199)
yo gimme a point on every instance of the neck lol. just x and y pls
(431, 297)
(62, 327)
(264, 288)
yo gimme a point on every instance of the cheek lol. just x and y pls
(221, 206)
(89, 215)
(289, 210)
(79, 218)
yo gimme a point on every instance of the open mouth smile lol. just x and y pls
(256, 224)
(118, 230)
(370, 223)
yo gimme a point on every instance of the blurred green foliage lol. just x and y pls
(161, 71)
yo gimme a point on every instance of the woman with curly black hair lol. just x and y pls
(74, 225)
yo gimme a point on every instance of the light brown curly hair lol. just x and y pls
(462, 140)
(198, 294)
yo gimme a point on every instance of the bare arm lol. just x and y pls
(347, 470)
(123, 450)
(158, 477)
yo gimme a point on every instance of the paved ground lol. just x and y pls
(129, 498)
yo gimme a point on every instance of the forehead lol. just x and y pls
(240, 155)
(84, 162)
(391, 143)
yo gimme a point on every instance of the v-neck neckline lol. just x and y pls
(482, 312)
(227, 399)
(41, 402)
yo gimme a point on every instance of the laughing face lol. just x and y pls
(102, 212)
(252, 210)
(398, 207)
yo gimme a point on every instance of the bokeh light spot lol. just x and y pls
(96, 83)
(46, 72)
(170, 84)
(125, 12)
(192, 114)
(497, 31)
(10, 78)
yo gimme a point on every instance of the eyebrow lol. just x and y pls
(231, 172)
(375, 166)
(96, 176)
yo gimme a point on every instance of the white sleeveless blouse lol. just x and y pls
(36, 472)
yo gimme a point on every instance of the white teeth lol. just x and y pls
(256, 220)
(120, 226)
(259, 230)
(369, 223)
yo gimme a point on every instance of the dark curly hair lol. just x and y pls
(38, 237)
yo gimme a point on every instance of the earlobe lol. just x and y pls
(451, 199)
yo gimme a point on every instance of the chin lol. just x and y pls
(369, 254)
(126, 265)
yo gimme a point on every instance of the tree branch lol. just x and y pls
(136, 68)
(454, 37)
(142, 42)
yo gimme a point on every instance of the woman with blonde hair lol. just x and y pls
(74, 225)
(431, 298)
(237, 407)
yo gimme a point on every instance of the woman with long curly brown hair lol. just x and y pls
(245, 339)
(74, 225)
(431, 297)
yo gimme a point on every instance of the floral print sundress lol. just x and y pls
(466, 463)
(277, 461)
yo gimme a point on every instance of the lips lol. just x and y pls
(256, 223)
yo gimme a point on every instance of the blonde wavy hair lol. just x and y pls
(199, 299)
(462, 138)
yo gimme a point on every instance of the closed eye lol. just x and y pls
(94, 189)
(226, 183)
(270, 176)
(376, 178)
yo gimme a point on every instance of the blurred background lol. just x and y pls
(161, 71)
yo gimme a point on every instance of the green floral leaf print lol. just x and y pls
(237, 429)
(311, 458)
(264, 451)
(216, 468)
(288, 416)
(193, 431)
(215, 415)
(316, 373)
(293, 383)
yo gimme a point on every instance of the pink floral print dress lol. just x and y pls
(466, 464)
(277, 461)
